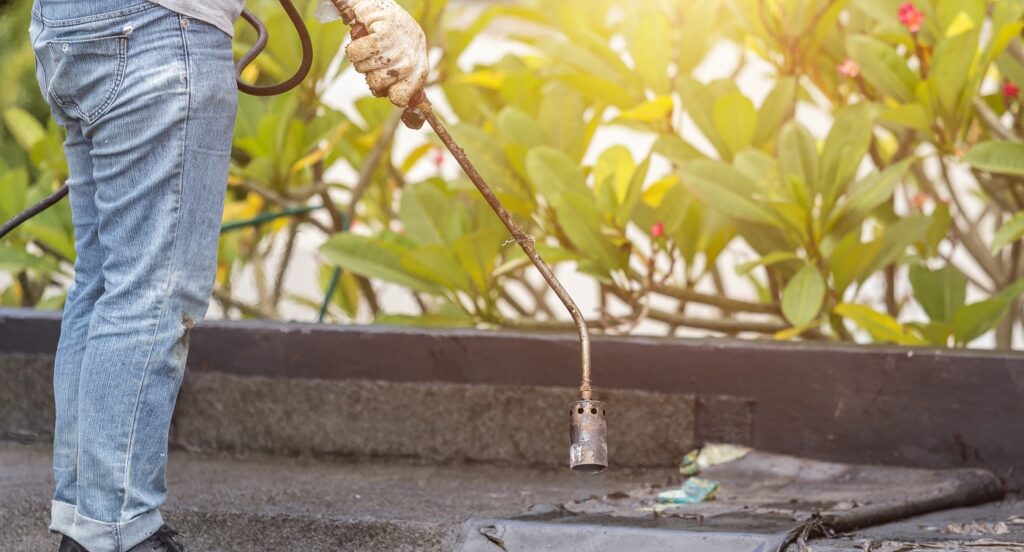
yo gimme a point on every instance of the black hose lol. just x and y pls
(33, 210)
(261, 43)
(272, 90)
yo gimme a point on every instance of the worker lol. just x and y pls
(147, 95)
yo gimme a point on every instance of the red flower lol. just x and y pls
(911, 17)
(1010, 90)
(849, 68)
(658, 230)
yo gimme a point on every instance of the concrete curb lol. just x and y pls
(882, 405)
(440, 422)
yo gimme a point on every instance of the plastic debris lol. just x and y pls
(709, 455)
(695, 489)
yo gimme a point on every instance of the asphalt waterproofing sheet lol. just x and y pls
(764, 502)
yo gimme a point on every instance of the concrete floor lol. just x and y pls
(228, 503)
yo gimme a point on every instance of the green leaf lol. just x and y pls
(13, 193)
(580, 218)
(761, 168)
(940, 292)
(803, 296)
(632, 194)
(912, 115)
(650, 111)
(373, 258)
(883, 67)
(15, 259)
(495, 169)
(614, 168)
(517, 127)
(972, 321)
(897, 238)
(938, 229)
(736, 122)
(346, 294)
(576, 56)
(561, 116)
(853, 261)
(845, 148)
(675, 149)
(937, 333)
(650, 44)
(746, 268)
(597, 89)
(477, 253)
(52, 227)
(435, 263)
(951, 69)
(1010, 232)
(727, 190)
(880, 326)
(424, 212)
(699, 101)
(998, 157)
(777, 107)
(871, 191)
(798, 154)
(27, 131)
(553, 173)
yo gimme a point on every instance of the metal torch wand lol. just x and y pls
(588, 452)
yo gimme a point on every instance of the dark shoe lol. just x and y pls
(163, 541)
(68, 545)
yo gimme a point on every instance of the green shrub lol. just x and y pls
(923, 162)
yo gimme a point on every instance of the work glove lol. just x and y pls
(394, 55)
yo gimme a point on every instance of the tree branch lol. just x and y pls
(724, 303)
(249, 310)
(286, 257)
(372, 159)
(716, 325)
(992, 123)
(727, 326)
(970, 241)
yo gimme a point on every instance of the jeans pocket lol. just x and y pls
(85, 74)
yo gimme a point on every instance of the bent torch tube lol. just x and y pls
(588, 451)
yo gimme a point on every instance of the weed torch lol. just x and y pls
(588, 452)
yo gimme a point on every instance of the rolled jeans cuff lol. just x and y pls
(100, 536)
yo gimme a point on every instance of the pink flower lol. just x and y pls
(437, 157)
(849, 68)
(918, 200)
(1010, 90)
(911, 17)
(658, 230)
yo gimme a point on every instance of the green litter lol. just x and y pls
(695, 489)
(709, 455)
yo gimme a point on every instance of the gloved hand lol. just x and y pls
(394, 55)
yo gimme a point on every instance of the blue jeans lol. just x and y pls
(148, 99)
